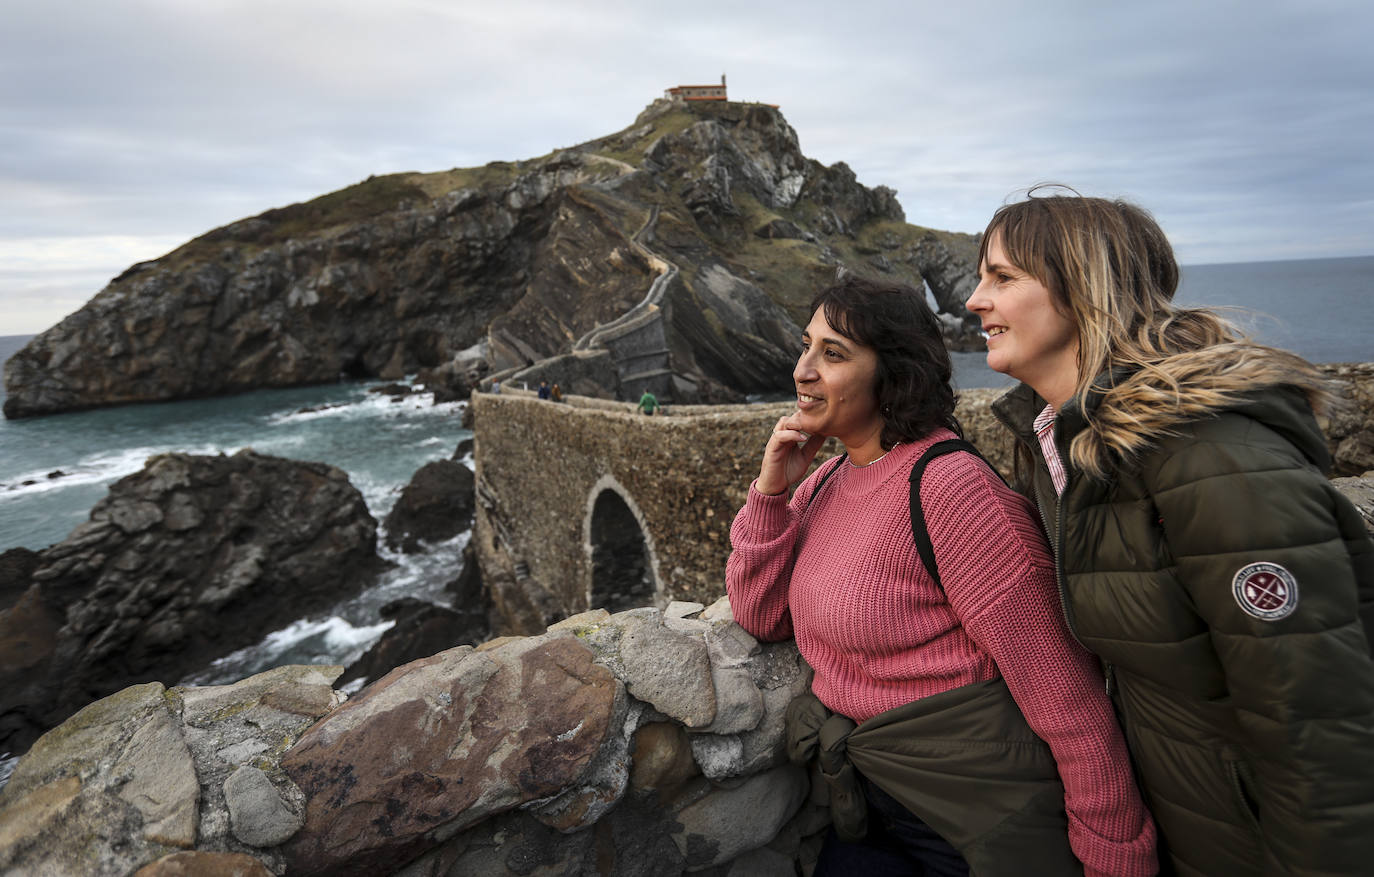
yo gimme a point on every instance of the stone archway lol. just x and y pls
(621, 560)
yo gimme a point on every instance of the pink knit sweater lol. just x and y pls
(843, 576)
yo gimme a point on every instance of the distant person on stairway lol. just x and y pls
(647, 403)
(1021, 767)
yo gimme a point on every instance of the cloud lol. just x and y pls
(1243, 126)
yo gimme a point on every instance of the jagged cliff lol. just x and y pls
(506, 265)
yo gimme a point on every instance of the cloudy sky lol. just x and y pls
(130, 126)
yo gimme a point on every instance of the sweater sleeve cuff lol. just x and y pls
(1136, 857)
(764, 515)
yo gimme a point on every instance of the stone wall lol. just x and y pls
(541, 467)
(643, 743)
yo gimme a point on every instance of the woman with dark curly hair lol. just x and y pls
(956, 722)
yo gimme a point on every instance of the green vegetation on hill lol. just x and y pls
(349, 205)
(629, 145)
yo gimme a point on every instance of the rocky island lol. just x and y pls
(677, 254)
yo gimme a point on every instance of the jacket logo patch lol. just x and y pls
(1265, 590)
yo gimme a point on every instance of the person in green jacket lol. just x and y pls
(1227, 587)
(648, 403)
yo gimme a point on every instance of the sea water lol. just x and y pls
(54, 469)
(1318, 308)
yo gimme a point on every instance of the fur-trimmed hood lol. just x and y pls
(1130, 409)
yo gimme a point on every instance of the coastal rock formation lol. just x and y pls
(437, 504)
(646, 742)
(16, 565)
(683, 249)
(528, 755)
(181, 563)
(421, 629)
(1350, 428)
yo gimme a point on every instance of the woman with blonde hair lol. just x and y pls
(1201, 553)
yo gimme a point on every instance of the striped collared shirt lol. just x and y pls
(1044, 431)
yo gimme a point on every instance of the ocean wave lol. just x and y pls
(422, 575)
(332, 640)
(99, 468)
(350, 630)
(370, 405)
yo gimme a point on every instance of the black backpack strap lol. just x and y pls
(825, 476)
(918, 515)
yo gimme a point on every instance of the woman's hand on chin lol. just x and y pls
(787, 456)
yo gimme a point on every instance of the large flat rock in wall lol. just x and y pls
(120, 765)
(443, 743)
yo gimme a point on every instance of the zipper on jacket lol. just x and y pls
(1055, 548)
(1108, 670)
(1243, 799)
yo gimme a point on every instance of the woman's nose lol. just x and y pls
(804, 370)
(978, 301)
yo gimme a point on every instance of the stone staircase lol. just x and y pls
(636, 339)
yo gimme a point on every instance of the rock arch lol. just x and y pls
(621, 560)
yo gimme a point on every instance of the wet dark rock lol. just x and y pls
(450, 382)
(16, 566)
(465, 448)
(183, 562)
(393, 390)
(469, 593)
(436, 505)
(422, 629)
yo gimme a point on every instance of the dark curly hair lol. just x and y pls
(913, 380)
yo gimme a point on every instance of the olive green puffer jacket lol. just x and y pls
(1229, 590)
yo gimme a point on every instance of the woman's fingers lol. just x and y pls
(790, 436)
(775, 470)
(787, 456)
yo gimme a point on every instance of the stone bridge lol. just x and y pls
(588, 503)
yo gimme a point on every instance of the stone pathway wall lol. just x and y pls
(646, 742)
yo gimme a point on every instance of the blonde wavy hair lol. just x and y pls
(1109, 267)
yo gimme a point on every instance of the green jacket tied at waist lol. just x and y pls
(964, 762)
